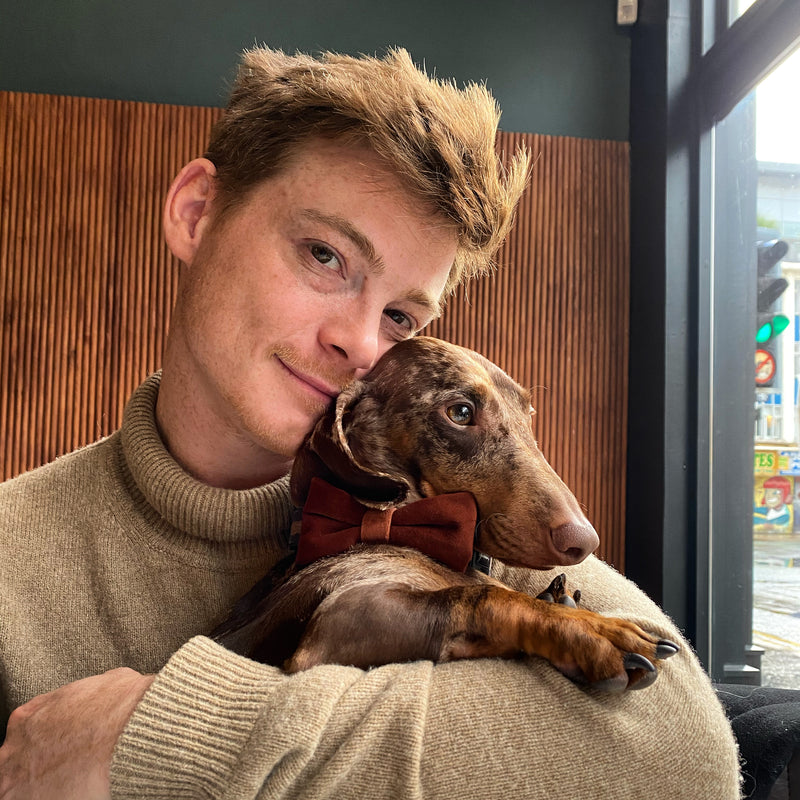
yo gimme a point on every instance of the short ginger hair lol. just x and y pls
(437, 138)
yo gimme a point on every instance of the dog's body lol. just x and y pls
(433, 419)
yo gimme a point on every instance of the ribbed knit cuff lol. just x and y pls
(187, 734)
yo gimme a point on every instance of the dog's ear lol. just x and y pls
(347, 449)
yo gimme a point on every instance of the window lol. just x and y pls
(714, 453)
(737, 8)
(756, 201)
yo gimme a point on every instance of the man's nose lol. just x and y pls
(354, 335)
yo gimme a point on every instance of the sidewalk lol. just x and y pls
(774, 549)
(776, 608)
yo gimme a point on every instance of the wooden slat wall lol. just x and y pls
(87, 285)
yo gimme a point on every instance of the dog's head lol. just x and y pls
(433, 418)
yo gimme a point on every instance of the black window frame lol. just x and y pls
(689, 69)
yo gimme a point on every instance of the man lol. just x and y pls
(339, 202)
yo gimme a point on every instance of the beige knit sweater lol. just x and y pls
(114, 556)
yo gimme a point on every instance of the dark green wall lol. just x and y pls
(556, 66)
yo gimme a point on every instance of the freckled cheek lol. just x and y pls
(275, 299)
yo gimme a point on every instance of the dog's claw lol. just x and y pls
(666, 648)
(634, 662)
(615, 685)
(646, 680)
(638, 661)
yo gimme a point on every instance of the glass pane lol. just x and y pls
(737, 8)
(776, 517)
(755, 437)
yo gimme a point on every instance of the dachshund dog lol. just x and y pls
(430, 453)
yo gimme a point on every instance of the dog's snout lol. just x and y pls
(574, 541)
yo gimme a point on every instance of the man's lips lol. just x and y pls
(314, 385)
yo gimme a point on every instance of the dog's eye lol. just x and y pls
(460, 413)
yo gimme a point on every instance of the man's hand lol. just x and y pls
(59, 745)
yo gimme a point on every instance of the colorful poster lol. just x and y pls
(774, 494)
(772, 509)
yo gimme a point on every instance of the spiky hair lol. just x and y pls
(438, 139)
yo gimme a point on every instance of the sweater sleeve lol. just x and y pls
(216, 725)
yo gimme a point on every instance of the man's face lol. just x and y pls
(302, 287)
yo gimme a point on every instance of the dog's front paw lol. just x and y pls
(641, 672)
(604, 653)
(557, 592)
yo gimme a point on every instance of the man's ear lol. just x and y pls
(188, 208)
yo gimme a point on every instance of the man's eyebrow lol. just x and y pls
(347, 229)
(433, 305)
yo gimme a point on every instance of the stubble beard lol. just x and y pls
(266, 431)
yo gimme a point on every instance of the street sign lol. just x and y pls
(765, 367)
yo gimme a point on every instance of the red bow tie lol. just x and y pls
(442, 527)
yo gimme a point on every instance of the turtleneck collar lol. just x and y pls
(192, 507)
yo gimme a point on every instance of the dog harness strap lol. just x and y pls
(376, 526)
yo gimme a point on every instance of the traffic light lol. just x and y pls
(770, 321)
(770, 328)
(769, 254)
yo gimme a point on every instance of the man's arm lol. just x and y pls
(216, 725)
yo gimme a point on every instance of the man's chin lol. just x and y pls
(285, 441)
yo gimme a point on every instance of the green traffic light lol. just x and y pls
(778, 324)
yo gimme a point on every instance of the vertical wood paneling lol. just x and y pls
(87, 285)
(86, 281)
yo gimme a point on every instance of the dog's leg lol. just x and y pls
(369, 625)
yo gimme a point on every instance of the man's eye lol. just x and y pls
(460, 413)
(325, 256)
(399, 318)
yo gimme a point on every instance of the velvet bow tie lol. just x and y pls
(442, 527)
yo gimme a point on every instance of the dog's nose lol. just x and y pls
(574, 541)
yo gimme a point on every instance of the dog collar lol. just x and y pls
(480, 561)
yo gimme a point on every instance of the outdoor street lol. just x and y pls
(776, 609)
